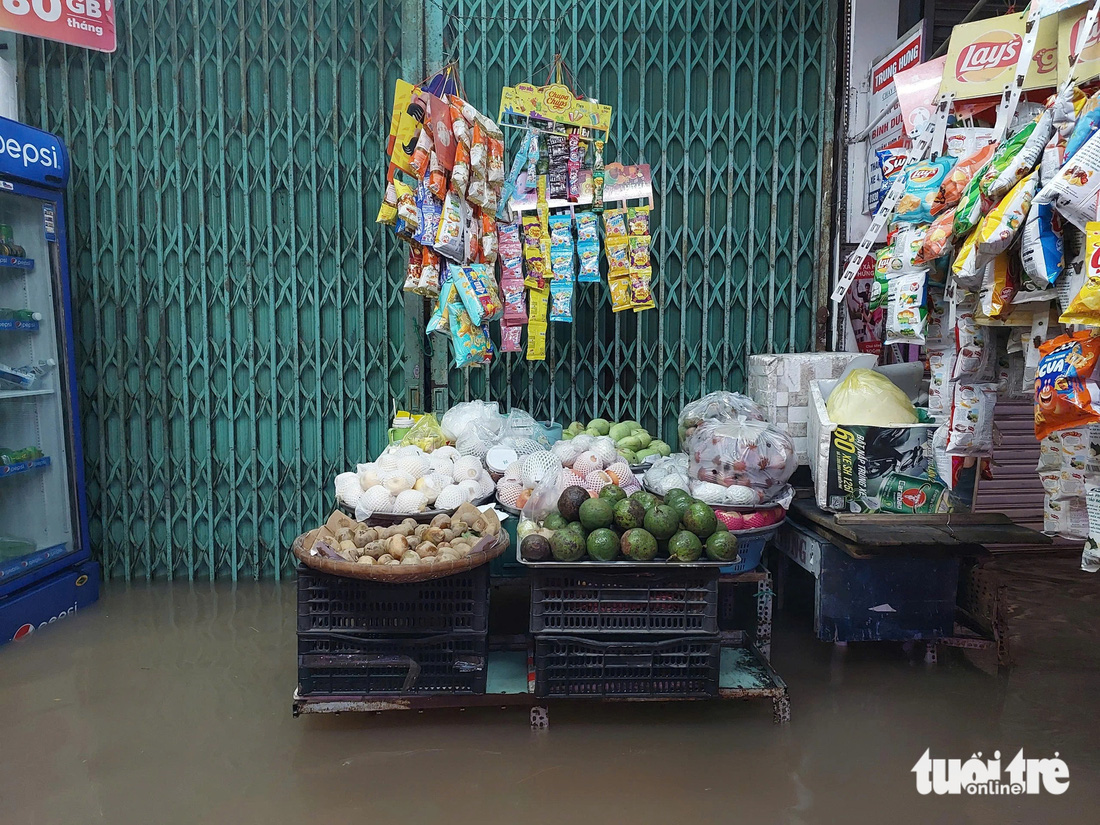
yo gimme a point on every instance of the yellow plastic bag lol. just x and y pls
(868, 398)
(425, 434)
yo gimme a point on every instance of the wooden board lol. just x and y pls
(954, 533)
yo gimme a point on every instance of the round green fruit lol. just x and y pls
(645, 498)
(567, 545)
(600, 425)
(613, 493)
(603, 544)
(638, 545)
(685, 546)
(722, 546)
(555, 521)
(662, 521)
(596, 513)
(629, 514)
(700, 520)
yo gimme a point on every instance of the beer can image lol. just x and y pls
(900, 493)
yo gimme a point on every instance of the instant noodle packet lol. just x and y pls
(1065, 392)
(1084, 309)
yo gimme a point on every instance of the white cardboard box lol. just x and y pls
(780, 384)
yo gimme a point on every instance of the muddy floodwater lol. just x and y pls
(171, 703)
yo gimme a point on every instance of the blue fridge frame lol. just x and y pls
(46, 181)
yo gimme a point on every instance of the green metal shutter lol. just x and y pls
(240, 324)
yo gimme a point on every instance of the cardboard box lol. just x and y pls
(780, 384)
(873, 469)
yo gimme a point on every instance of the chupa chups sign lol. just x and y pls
(86, 23)
(981, 59)
(1069, 27)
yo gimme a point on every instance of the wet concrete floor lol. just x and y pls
(170, 703)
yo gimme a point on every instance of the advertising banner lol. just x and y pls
(981, 58)
(86, 23)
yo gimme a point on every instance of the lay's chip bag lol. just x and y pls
(1042, 251)
(1066, 394)
(999, 228)
(1085, 307)
(922, 183)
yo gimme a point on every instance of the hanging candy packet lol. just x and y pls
(1066, 393)
(638, 220)
(639, 251)
(999, 286)
(1084, 309)
(421, 156)
(538, 267)
(620, 292)
(536, 341)
(408, 216)
(460, 173)
(1022, 162)
(587, 227)
(957, 180)
(430, 211)
(618, 253)
(511, 338)
(970, 431)
(905, 308)
(535, 151)
(558, 180)
(387, 212)
(973, 353)
(641, 296)
(1003, 160)
(1041, 248)
(589, 254)
(561, 230)
(430, 269)
(488, 238)
(561, 301)
(515, 307)
(941, 360)
(614, 223)
(922, 183)
(597, 176)
(937, 239)
(999, 228)
(576, 162)
(965, 268)
(448, 238)
(440, 319)
(509, 251)
(496, 160)
(413, 268)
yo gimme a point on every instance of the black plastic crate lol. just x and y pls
(681, 668)
(667, 601)
(347, 664)
(458, 603)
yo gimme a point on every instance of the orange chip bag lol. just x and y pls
(953, 185)
(1065, 393)
(937, 240)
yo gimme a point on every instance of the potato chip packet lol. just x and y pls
(1024, 161)
(1003, 159)
(1042, 251)
(620, 292)
(999, 228)
(956, 181)
(970, 431)
(1084, 309)
(922, 183)
(1066, 393)
(638, 220)
(906, 312)
(475, 285)
(937, 239)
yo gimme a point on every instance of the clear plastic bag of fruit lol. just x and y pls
(467, 414)
(544, 498)
(667, 473)
(742, 453)
(716, 406)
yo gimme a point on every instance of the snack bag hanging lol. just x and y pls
(937, 239)
(999, 287)
(1075, 190)
(1003, 161)
(922, 183)
(972, 345)
(968, 274)
(905, 308)
(1025, 160)
(1042, 253)
(998, 229)
(970, 431)
(1066, 394)
(1084, 309)
(969, 210)
(953, 186)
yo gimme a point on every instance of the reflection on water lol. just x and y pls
(171, 703)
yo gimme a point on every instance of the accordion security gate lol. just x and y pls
(241, 329)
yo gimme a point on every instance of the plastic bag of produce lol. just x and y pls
(718, 406)
(544, 498)
(741, 453)
(425, 434)
(868, 398)
(667, 473)
(469, 414)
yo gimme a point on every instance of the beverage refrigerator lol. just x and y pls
(45, 572)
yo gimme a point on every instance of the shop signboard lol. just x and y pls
(86, 23)
(883, 106)
(982, 56)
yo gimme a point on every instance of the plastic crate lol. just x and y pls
(347, 664)
(750, 549)
(681, 668)
(667, 601)
(458, 603)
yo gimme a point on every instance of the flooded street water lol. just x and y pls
(171, 703)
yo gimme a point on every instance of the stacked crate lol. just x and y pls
(363, 638)
(625, 633)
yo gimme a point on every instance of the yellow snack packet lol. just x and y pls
(539, 301)
(536, 341)
(621, 297)
(1084, 309)
(968, 274)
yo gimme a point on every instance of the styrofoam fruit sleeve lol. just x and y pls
(410, 501)
(508, 492)
(348, 489)
(596, 481)
(536, 466)
(566, 451)
(586, 463)
(375, 500)
(451, 497)
(467, 467)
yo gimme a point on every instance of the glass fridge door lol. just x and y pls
(37, 526)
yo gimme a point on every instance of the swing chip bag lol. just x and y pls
(1075, 190)
(1042, 252)
(1066, 393)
